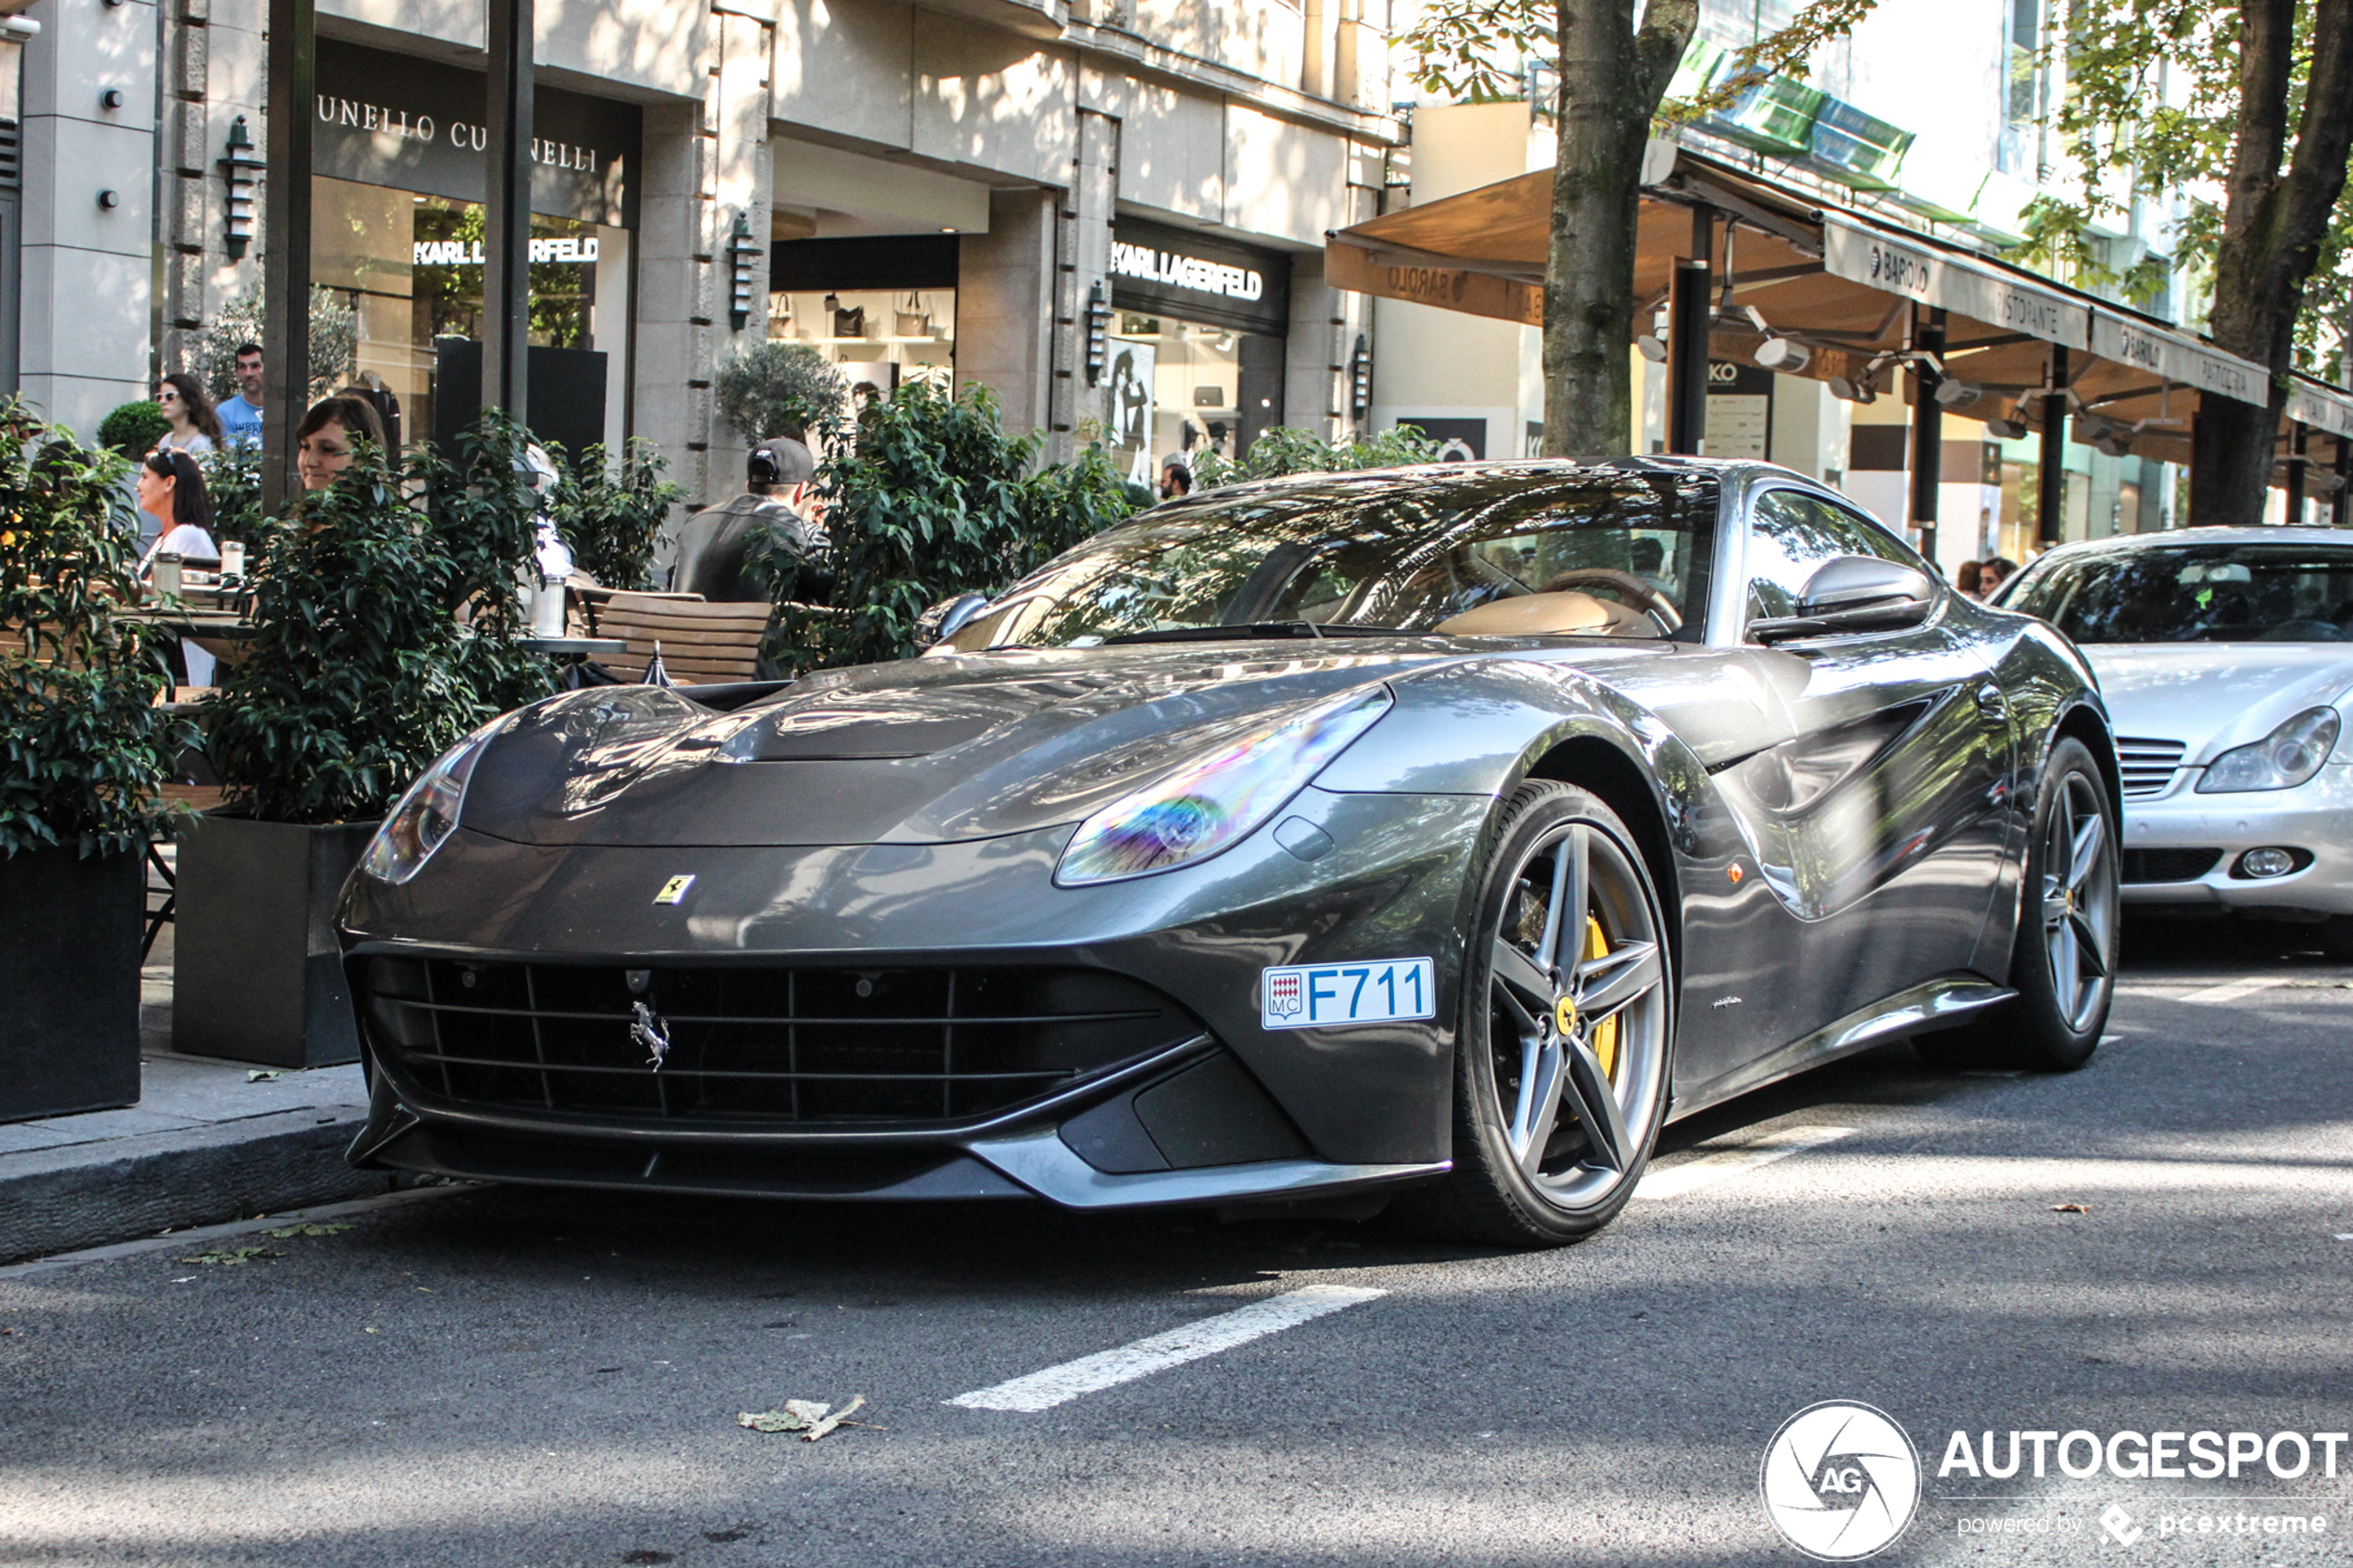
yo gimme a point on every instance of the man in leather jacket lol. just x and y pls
(713, 544)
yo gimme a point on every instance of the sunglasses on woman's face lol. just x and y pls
(166, 395)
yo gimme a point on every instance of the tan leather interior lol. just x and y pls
(1543, 615)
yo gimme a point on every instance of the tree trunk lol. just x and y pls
(1612, 78)
(2273, 227)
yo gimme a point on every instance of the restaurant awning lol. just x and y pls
(1844, 286)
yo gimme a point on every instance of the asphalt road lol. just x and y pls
(504, 1378)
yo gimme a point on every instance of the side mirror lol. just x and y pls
(946, 618)
(1853, 594)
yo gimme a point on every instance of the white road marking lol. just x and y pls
(2231, 991)
(1676, 1180)
(1044, 1390)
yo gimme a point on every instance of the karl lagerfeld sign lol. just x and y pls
(1196, 276)
(417, 125)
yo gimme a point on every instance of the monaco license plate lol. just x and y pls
(1327, 995)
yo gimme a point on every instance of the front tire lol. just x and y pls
(1566, 1032)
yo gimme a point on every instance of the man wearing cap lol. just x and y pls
(713, 544)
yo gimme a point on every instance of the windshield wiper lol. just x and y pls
(1260, 629)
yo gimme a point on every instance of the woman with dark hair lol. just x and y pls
(1970, 579)
(172, 491)
(194, 427)
(328, 437)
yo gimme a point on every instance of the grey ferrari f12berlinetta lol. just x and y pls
(1440, 832)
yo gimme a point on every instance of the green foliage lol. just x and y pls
(611, 515)
(233, 483)
(384, 633)
(335, 342)
(779, 389)
(133, 429)
(929, 498)
(1476, 50)
(1281, 451)
(83, 751)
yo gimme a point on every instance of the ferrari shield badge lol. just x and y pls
(648, 1029)
(674, 890)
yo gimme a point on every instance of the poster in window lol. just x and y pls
(1131, 394)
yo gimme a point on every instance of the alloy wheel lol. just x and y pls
(2079, 902)
(1578, 1015)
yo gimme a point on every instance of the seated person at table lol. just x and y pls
(327, 438)
(172, 491)
(714, 544)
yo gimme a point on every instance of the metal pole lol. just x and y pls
(285, 258)
(1928, 427)
(2341, 512)
(505, 272)
(1688, 312)
(2299, 443)
(2051, 481)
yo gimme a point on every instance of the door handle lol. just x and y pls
(1992, 703)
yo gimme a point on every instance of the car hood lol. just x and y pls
(2212, 696)
(922, 751)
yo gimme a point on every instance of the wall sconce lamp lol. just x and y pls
(741, 253)
(1360, 379)
(244, 173)
(1098, 334)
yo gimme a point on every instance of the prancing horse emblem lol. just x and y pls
(648, 1030)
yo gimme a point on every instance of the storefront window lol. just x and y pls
(412, 265)
(1197, 345)
(1175, 387)
(881, 307)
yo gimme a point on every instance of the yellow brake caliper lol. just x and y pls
(1606, 1033)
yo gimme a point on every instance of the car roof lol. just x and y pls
(2186, 538)
(1731, 471)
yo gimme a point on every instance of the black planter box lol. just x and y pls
(70, 934)
(255, 973)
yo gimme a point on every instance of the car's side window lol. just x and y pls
(1792, 535)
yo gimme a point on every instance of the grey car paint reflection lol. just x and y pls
(1836, 825)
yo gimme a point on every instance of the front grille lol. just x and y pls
(750, 1047)
(2148, 765)
(2168, 865)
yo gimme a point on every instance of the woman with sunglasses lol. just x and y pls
(172, 491)
(196, 429)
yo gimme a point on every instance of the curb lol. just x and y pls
(90, 1195)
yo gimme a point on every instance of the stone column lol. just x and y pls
(1005, 306)
(88, 210)
(703, 163)
(1082, 259)
(1325, 323)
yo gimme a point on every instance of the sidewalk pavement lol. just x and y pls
(209, 1141)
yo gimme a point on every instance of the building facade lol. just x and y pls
(970, 190)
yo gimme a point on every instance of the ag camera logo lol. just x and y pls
(1840, 1481)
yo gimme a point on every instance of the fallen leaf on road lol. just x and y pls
(259, 1076)
(798, 1415)
(2071, 1207)
(831, 1422)
(309, 1230)
(229, 1255)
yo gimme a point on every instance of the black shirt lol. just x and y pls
(713, 545)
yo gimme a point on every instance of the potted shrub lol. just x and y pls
(612, 516)
(778, 389)
(386, 613)
(83, 755)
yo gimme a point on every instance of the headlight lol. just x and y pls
(2282, 759)
(1203, 806)
(427, 815)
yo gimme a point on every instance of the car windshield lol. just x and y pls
(1480, 552)
(2288, 593)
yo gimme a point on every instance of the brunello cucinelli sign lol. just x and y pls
(1198, 278)
(417, 125)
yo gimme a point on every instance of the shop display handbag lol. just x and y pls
(850, 323)
(914, 321)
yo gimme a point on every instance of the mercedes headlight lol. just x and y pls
(427, 815)
(1200, 808)
(2282, 759)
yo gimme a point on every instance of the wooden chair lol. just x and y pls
(701, 643)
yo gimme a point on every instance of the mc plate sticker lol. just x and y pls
(1324, 996)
